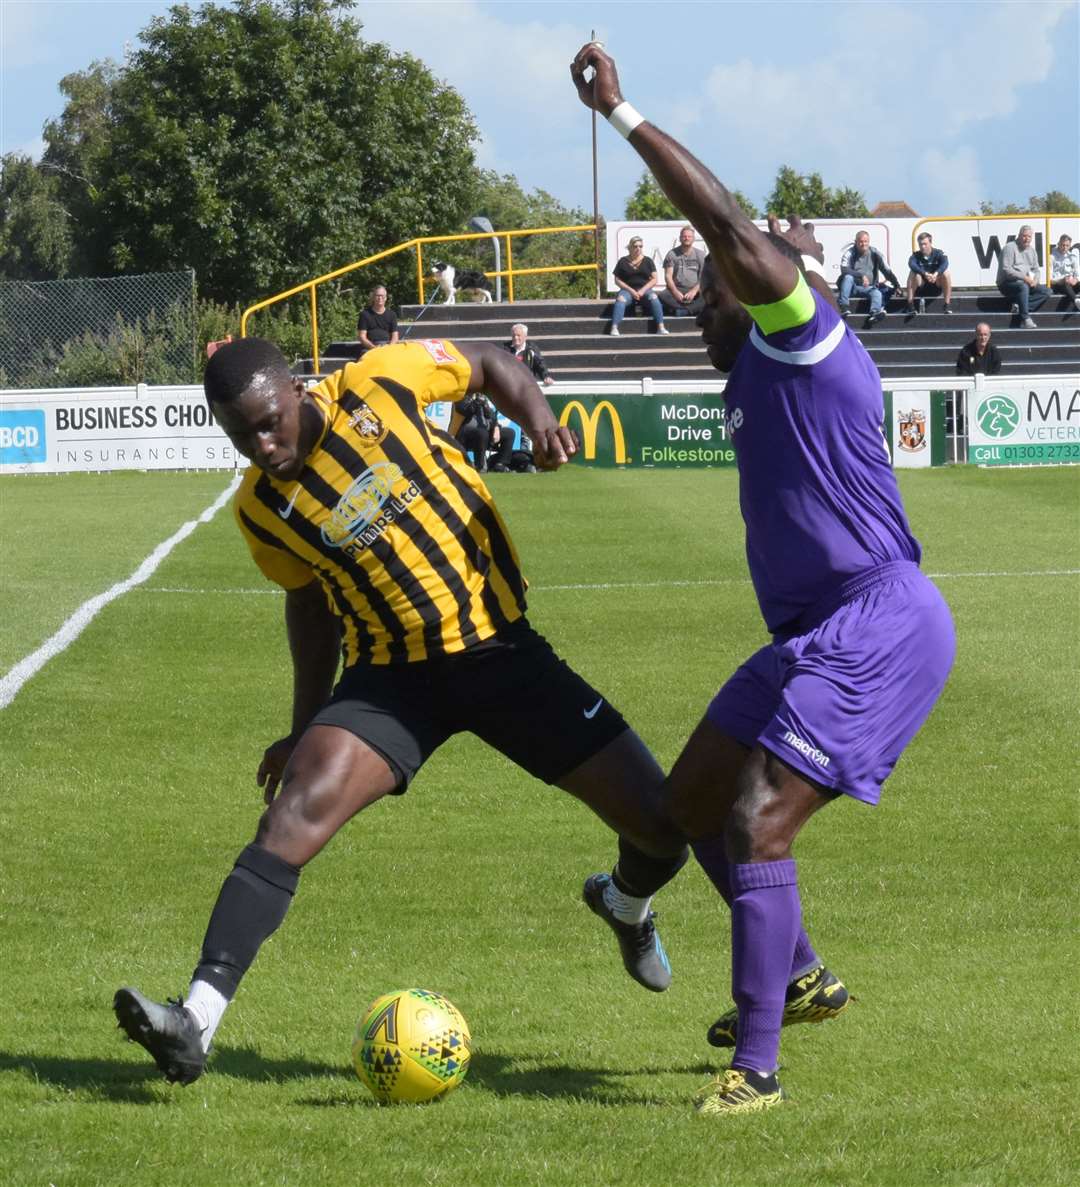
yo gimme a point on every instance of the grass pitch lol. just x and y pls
(128, 769)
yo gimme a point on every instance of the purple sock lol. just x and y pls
(765, 915)
(712, 858)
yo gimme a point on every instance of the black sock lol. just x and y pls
(639, 874)
(249, 909)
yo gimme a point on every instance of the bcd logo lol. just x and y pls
(22, 437)
(590, 421)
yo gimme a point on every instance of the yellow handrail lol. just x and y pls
(418, 243)
(966, 218)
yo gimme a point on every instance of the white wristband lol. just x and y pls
(624, 119)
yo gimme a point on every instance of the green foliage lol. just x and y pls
(153, 350)
(35, 232)
(500, 198)
(261, 143)
(649, 203)
(76, 145)
(1052, 202)
(809, 197)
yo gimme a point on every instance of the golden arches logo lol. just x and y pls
(590, 421)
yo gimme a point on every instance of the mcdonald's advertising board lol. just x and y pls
(634, 430)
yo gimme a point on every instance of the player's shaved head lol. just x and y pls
(237, 366)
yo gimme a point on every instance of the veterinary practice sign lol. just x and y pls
(1024, 424)
(142, 428)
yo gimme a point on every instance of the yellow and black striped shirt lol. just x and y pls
(388, 515)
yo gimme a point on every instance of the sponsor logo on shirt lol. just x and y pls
(733, 420)
(804, 747)
(437, 351)
(368, 508)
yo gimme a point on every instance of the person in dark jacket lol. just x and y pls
(928, 275)
(474, 432)
(520, 346)
(979, 356)
(860, 267)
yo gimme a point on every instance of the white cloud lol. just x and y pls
(499, 65)
(24, 36)
(32, 149)
(953, 179)
(886, 99)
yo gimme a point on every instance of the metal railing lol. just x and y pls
(94, 331)
(1045, 219)
(509, 272)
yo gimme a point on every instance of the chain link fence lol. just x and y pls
(98, 331)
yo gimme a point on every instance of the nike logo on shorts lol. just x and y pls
(290, 504)
(591, 713)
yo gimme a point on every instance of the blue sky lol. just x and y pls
(940, 104)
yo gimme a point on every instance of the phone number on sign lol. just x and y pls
(989, 455)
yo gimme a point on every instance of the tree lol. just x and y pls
(1052, 202)
(809, 197)
(500, 198)
(75, 146)
(262, 144)
(35, 234)
(649, 203)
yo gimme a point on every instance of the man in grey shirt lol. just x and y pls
(682, 277)
(1018, 277)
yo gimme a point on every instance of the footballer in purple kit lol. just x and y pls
(827, 707)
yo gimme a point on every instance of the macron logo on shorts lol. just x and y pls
(811, 752)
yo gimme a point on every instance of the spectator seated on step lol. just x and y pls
(635, 277)
(928, 275)
(520, 346)
(1065, 270)
(377, 325)
(1018, 278)
(979, 356)
(682, 277)
(860, 267)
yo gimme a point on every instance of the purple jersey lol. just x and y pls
(816, 486)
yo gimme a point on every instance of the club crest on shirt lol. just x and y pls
(369, 426)
(912, 434)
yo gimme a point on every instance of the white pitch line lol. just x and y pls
(12, 682)
(159, 589)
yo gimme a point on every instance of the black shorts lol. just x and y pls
(512, 691)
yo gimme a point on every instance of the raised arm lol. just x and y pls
(510, 384)
(754, 270)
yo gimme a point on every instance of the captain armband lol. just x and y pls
(796, 309)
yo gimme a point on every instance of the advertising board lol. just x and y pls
(973, 245)
(1029, 424)
(683, 430)
(160, 428)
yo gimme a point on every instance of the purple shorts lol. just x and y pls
(840, 700)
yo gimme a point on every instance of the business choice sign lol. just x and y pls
(1024, 425)
(162, 428)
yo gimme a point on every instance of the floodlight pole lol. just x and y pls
(595, 198)
(479, 223)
